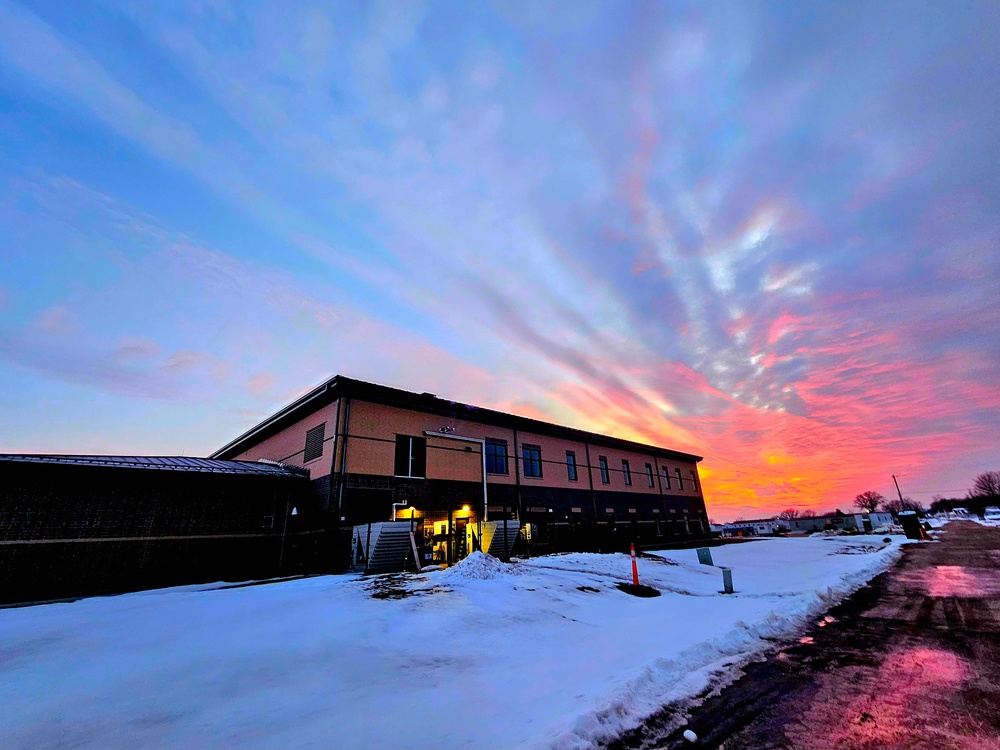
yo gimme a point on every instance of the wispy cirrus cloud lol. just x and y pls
(765, 234)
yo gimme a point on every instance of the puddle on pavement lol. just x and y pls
(952, 580)
(806, 640)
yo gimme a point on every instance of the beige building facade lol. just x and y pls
(376, 453)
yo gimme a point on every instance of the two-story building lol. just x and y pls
(377, 453)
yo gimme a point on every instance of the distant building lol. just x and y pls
(755, 527)
(845, 522)
(380, 454)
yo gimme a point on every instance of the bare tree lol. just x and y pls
(986, 484)
(788, 514)
(907, 503)
(940, 504)
(869, 501)
(807, 514)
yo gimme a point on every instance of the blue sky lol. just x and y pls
(766, 232)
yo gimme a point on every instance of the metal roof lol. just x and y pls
(162, 463)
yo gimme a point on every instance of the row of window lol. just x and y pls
(531, 456)
(411, 460)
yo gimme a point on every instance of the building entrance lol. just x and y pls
(461, 539)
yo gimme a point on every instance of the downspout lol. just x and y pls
(328, 542)
(663, 505)
(520, 509)
(343, 461)
(333, 462)
(701, 496)
(593, 497)
(342, 478)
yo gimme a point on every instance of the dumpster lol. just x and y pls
(911, 524)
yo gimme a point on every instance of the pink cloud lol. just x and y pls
(260, 383)
(56, 320)
(133, 348)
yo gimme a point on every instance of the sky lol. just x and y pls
(765, 233)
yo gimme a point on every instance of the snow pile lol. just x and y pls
(546, 653)
(479, 566)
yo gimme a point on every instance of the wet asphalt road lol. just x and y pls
(911, 661)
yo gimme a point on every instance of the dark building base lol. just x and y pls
(557, 519)
(69, 530)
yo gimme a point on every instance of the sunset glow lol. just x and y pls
(765, 234)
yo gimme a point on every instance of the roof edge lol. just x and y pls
(339, 385)
(319, 390)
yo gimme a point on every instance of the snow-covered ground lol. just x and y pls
(542, 653)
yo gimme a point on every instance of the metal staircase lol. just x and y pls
(493, 541)
(391, 549)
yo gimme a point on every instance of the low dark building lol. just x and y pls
(75, 525)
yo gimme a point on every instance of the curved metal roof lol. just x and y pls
(162, 463)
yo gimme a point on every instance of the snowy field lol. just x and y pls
(542, 653)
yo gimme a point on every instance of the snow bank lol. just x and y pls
(479, 566)
(545, 653)
(716, 661)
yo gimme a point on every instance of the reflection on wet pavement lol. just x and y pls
(906, 697)
(952, 580)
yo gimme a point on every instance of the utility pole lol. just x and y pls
(901, 504)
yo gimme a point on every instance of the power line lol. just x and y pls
(934, 492)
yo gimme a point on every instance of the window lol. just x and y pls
(496, 456)
(627, 473)
(314, 443)
(649, 476)
(680, 481)
(605, 476)
(666, 476)
(411, 456)
(694, 480)
(532, 460)
(571, 465)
